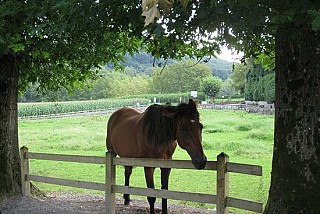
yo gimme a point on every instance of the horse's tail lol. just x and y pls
(113, 119)
(108, 133)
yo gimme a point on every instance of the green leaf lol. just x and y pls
(17, 47)
(266, 60)
(315, 14)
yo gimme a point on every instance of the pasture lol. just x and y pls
(246, 138)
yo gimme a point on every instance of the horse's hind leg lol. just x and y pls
(148, 172)
(127, 174)
(165, 172)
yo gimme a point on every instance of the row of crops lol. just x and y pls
(48, 108)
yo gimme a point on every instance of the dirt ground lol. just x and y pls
(84, 204)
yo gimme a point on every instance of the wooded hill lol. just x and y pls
(142, 62)
(134, 80)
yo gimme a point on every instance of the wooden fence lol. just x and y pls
(222, 166)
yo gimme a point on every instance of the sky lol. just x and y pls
(230, 55)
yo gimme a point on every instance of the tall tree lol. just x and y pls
(182, 76)
(211, 86)
(290, 31)
(295, 180)
(54, 43)
(238, 77)
(259, 82)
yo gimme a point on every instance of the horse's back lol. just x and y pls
(123, 132)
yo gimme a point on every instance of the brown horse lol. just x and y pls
(155, 134)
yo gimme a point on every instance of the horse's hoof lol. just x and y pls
(127, 203)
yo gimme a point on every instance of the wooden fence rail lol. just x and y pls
(222, 166)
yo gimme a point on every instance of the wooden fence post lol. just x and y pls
(24, 171)
(110, 181)
(222, 183)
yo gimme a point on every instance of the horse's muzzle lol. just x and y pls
(199, 162)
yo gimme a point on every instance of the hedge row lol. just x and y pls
(167, 98)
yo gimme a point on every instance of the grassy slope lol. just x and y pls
(246, 138)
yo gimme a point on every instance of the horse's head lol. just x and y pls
(188, 132)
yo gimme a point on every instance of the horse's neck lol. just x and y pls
(166, 151)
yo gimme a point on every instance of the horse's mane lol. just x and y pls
(159, 125)
(159, 121)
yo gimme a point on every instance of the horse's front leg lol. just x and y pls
(165, 172)
(148, 172)
(127, 174)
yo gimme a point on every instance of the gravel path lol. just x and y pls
(84, 204)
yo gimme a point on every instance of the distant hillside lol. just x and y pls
(143, 62)
(220, 68)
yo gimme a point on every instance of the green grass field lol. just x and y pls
(246, 138)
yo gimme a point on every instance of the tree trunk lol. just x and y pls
(10, 176)
(295, 178)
